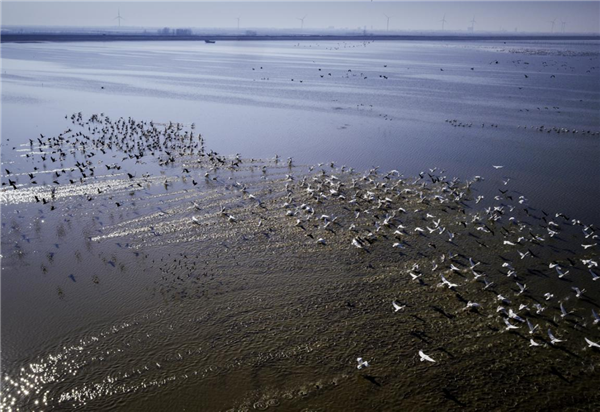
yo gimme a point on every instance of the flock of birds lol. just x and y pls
(529, 269)
(376, 206)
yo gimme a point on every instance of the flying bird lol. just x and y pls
(361, 363)
(553, 340)
(397, 307)
(425, 357)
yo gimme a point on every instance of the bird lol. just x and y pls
(356, 242)
(361, 363)
(472, 305)
(591, 344)
(513, 315)
(533, 343)
(553, 340)
(531, 327)
(509, 325)
(578, 292)
(448, 283)
(561, 274)
(523, 254)
(563, 311)
(425, 357)
(596, 317)
(497, 167)
(397, 307)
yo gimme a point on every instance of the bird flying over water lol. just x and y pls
(425, 357)
(361, 363)
(397, 306)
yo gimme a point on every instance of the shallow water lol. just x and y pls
(136, 307)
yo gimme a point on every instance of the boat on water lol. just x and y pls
(209, 41)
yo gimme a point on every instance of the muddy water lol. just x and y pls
(217, 282)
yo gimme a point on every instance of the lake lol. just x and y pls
(115, 299)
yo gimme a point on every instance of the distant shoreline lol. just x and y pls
(36, 38)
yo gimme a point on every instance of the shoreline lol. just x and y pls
(34, 37)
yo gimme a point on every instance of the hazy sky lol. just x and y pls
(530, 16)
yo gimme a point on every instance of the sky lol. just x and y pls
(509, 16)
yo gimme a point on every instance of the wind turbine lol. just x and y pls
(563, 23)
(552, 29)
(119, 18)
(473, 23)
(388, 22)
(301, 21)
(238, 19)
(443, 21)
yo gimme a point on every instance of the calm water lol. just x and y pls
(152, 305)
(241, 97)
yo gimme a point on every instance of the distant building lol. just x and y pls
(183, 32)
(250, 33)
(165, 32)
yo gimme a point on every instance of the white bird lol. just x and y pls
(521, 288)
(594, 276)
(591, 344)
(448, 283)
(361, 363)
(533, 343)
(418, 229)
(398, 245)
(513, 315)
(509, 325)
(578, 292)
(497, 167)
(397, 307)
(561, 274)
(507, 242)
(548, 295)
(414, 276)
(454, 268)
(539, 308)
(531, 327)
(487, 284)
(473, 264)
(596, 317)
(563, 311)
(589, 246)
(195, 220)
(425, 357)
(503, 299)
(321, 241)
(472, 305)
(523, 254)
(553, 340)
(357, 243)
